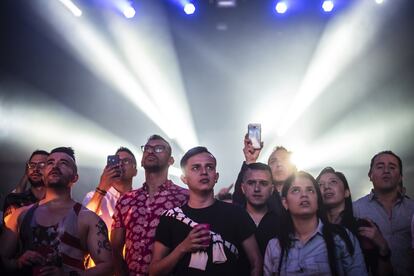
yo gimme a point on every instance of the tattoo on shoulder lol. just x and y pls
(102, 231)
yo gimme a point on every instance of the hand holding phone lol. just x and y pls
(114, 161)
(254, 132)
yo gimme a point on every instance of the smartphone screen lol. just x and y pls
(112, 160)
(255, 132)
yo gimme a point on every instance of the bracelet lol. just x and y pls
(100, 191)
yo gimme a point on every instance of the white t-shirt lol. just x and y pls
(107, 205)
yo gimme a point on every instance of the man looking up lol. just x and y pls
(389, 209)
(57, 233)
(137, 212)
(115, 181)
(206, 235)
(34, 174)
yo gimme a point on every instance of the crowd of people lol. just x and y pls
(278, 220)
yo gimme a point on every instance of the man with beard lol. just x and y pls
(137, 213)
(56, 234)
(115, 181)
(34, 174)
(389, 209)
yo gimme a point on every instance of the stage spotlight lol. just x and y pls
(189, 8)
(129, 12)
(72, 7)
(379, 2)
(328, 5)
(281, 7)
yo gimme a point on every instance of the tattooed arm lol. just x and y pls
(97, 243)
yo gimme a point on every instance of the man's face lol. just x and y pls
(281, 166)
(385, 174)
(257, 187)
(60, 171)
(35, 169)
(128, 165)
(156, 161)
(200, 173)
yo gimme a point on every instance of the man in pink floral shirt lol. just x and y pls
(137, 212)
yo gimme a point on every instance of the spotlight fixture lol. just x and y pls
(129, 12)
(226, 3)
(189, 8)
(281, 7)
(327, 5)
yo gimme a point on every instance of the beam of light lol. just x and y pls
(327, 6)
(90, 48)
(367, 138)
(345, 39)
(281, 7)
(124, 6)
(147, 46)
(189, 8)
(50, 124)
(379, 2)
(71, 7)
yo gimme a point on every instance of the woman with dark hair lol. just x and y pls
(308, 244)
(337, 201)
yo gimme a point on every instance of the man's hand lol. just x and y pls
(196, 240)
(250, 154)
(51, 271)
(224, 191)
(372, 233)
(30, 258)
(109, 176)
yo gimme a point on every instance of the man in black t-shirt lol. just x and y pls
(34, 175)
(205, 236)
(257, 187)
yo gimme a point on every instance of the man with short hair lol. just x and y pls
(34, 175)
(205, 236)
(388, 208)
(115, 181)
(257, 187)
(281, 167)
(57, 234)
(137, 212)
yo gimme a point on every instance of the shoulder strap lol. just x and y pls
(77, 208)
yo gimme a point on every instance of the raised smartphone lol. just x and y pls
(255, 133)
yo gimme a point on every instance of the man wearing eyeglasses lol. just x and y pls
(34, 175)
(115, 181)
(137, 213)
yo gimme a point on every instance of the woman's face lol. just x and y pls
(333, 190)
(301, 198)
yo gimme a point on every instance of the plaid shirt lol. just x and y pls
(139, 215)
